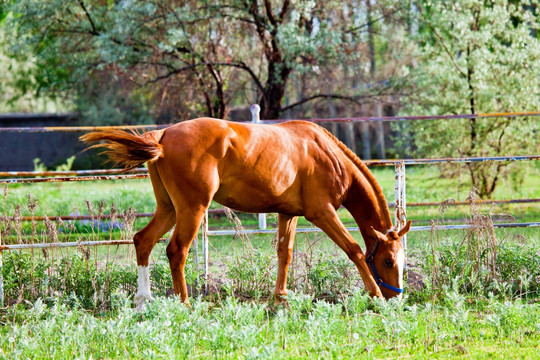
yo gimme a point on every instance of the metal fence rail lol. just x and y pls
(47, 129)
(150, 214)
(73, 178)
(275, 121)
(22, 174)
(97, 175)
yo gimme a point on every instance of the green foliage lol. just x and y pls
(252, 274)
(112, 104)
(77, 277)
(331, 277)
(475, 57)
(479, 269)
(147, 57)
(19, 272)
(40, 167)
(478, 57)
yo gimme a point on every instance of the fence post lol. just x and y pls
(262, 221)
(205, 251)
(256, 119)
(400, 214)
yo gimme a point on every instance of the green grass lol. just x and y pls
(353, 328)
(83, 307)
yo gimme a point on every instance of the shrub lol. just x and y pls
(74, 276)
(252, 275)
(330, 277)
(481, 264)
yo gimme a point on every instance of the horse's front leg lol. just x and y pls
(285, 245)
(327, 219)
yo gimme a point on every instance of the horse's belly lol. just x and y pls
(245, 198)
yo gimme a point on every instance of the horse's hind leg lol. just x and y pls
(145, 239)
(187, 225)
(286, 231)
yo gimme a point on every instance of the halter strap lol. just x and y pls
(380, 282)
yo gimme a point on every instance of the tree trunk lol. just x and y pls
(366, 140)
(349, 136)
(278, 75)
(379, 127)
(333, 114)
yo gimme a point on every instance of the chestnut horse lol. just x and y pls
(294, 168)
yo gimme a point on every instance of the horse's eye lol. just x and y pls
(389, 263)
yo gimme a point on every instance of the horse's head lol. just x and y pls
(386, 260)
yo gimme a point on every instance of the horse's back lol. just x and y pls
(251, 167)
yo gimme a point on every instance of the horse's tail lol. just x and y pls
(128, 150)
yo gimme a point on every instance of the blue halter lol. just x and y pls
(380, 282)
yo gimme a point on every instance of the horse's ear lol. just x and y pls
(376, 234)
(405, 229)
(372, 232)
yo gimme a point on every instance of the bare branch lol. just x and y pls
(284, 10)
(174, 72)
(239, 65)
(92, 24)
(354, 99)
(270, 12)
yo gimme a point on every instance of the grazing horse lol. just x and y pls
(294, 168)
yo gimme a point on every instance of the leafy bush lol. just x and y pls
(481, 264)
(515, 271)
(22, 276)
(252, 275)
(329, 277)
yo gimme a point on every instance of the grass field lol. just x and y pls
(353, 328)
(77, 303)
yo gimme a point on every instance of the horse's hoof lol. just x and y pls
(141, 307)
(281, 301)
(140, 301)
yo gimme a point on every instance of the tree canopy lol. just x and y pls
(190, 58)
(477, 57)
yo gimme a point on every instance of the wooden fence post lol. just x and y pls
(256, 119)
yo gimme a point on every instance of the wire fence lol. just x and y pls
(400, 204)
(275, 121)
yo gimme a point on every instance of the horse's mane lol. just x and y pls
(367, 174)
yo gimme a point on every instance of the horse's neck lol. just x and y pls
(366, 203)
(365, 199)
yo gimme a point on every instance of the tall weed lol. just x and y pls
(480, 263)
